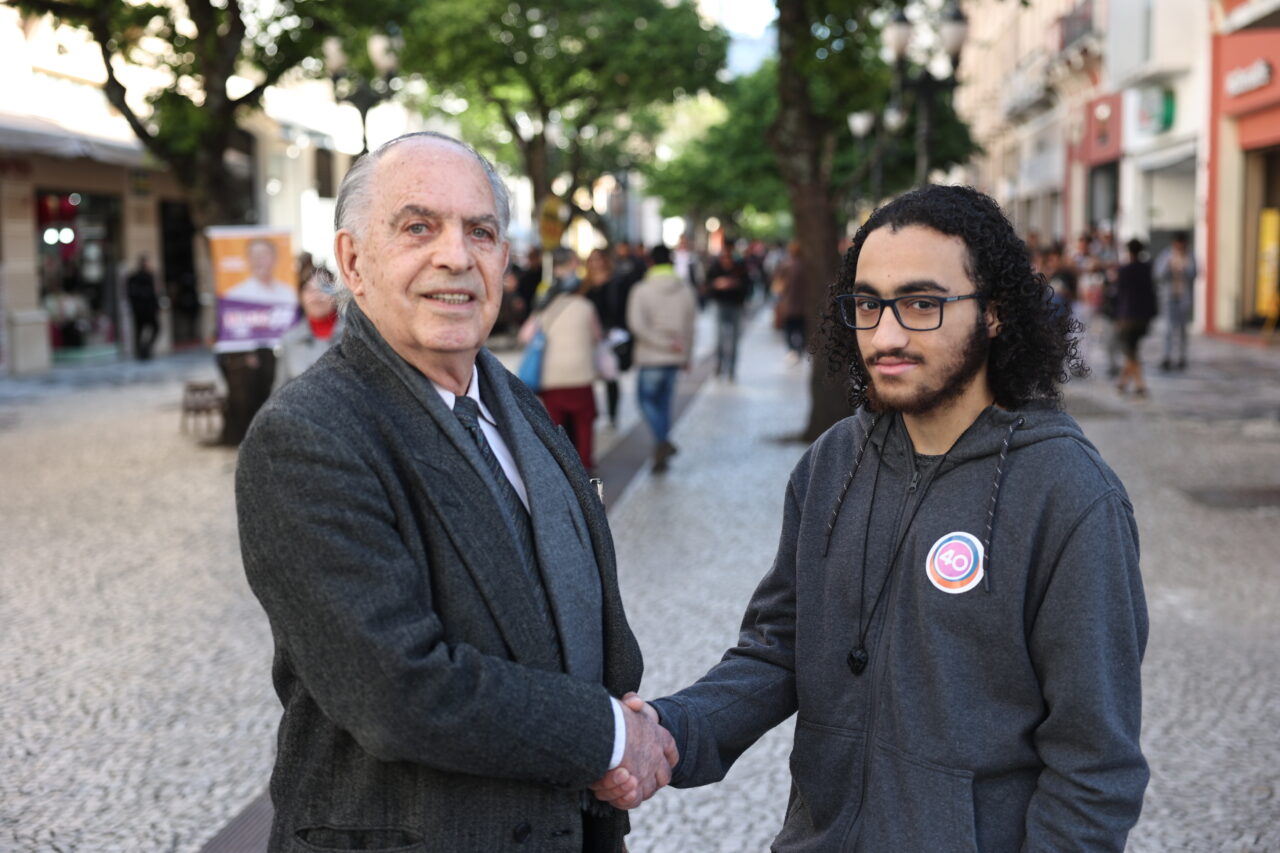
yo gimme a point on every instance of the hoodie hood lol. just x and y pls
(988, 434)
(991, 436)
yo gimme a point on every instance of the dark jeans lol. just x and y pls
(146, 327)
(728, 330)
(656, 390)
(794, 332)
(611, 394)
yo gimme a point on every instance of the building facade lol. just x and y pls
(81, 200)
(1243, 210)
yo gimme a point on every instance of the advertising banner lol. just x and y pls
(254, 282)
(1267, 294)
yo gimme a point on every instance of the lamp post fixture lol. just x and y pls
(363, 93)
(861, 124)
(923, 87)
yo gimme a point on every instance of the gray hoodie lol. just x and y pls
(999, 709)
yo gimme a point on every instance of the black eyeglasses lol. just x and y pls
(918, 313)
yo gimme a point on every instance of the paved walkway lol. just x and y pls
(136, 712)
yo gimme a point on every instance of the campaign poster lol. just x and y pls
(255, 286)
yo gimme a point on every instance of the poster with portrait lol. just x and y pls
(255, 286)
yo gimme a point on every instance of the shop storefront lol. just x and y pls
(79, 265)
(71, 229)
(1244, 218)
(1099, 152)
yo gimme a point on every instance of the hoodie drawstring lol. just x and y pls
(995, 495)
(848, 481)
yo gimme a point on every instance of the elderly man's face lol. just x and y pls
(428, 268)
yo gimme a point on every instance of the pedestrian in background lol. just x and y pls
(661, 313)
(319, 328)
(792, 287)
(1175, 274)
(728, 286)
(1106, 260)
(1135, 308)
(572, 331)
(144, 304)
(608, 291)
(955, 613)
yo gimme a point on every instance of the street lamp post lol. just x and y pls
(923, 86)
(860, 125)
(363, 93)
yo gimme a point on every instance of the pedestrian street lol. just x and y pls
(136, 705)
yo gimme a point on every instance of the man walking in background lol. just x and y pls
(144, 303)
(436, 567)
(661, 312)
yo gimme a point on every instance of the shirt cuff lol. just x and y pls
(619, 734)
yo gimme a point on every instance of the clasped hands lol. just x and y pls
(647, 762)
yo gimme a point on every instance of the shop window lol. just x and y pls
(78, 245)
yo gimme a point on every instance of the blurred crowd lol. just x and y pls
(1117, 293)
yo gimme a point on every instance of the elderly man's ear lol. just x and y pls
(345, 251)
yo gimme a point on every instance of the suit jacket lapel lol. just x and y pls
(453, 479)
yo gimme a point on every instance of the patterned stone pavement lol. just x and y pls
(136, 712)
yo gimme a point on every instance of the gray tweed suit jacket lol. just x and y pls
(426, 706)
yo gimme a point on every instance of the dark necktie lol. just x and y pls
(468, 413)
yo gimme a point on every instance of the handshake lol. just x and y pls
(647, 762)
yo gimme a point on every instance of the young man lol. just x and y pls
(955, 609)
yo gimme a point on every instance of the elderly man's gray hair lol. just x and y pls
(355, 195)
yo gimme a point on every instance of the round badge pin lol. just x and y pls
(954, 564)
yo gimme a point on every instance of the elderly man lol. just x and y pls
(436, 567)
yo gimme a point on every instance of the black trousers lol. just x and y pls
(249, 376)
(146, 327)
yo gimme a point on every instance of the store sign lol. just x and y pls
(1155, 110)
(1248, 78)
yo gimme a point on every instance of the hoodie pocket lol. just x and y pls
(826, 772)
(913, 804)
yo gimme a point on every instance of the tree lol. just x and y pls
(727, 172)
(566, 87)
(191, 124)
(828, 66)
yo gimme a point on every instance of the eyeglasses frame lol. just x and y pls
(842, 298)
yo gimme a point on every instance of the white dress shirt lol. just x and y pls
(493, 435)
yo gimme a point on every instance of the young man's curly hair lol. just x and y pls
(1038, 339)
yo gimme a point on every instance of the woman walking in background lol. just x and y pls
(1135, 306)
(608, 291)
(568, 365)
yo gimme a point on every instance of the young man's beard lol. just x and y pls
(953, 382)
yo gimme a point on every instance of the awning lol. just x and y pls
(1180, 153)
(33, 135)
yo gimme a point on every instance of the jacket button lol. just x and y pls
(522, 833)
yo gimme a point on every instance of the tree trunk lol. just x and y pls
(804, 145)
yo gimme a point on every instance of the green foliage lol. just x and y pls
(200, 45)
(565, 87)
(730, 170)
(731, 173)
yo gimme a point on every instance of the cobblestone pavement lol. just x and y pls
(136, 712)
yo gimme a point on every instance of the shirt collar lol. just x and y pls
(473, 391)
